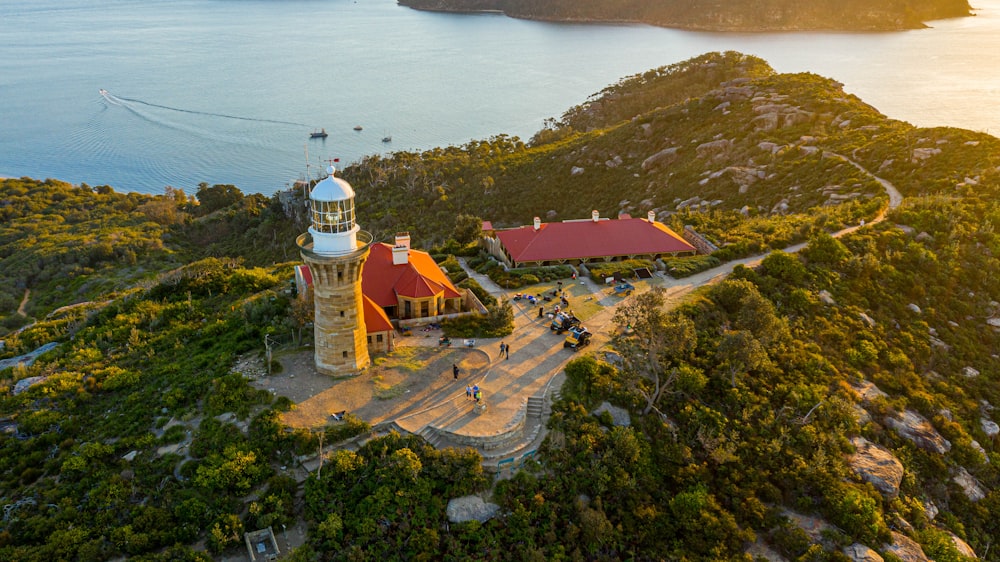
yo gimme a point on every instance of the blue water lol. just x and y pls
(227, 91)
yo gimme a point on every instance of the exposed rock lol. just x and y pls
(551, 214)
(969, 372)
(923, 154)
(130, 456)
(963, 547)
(619, 416)
(867, 391)
(713, 148)
(575, 171)
(868, 320)
(914, 308)
(924, 237)
(814, 527)
(768, 146)
(781, 208)
(990, 428)
(745, 210)
(914, 427)
(722, 106)
(860, 414)
(470, 508)
(930, 510)
(661, 158)
(861, 553)
(876, 465)
(906, 548)
(995, 322)
(647, 129)
(613, 162)
(979, 448)
(969, 485)
(826, 297)
(971, 143)
(26, 383)
(766, 122)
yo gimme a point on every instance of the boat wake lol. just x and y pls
(115, 100)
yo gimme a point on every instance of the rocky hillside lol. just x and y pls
(770, 15)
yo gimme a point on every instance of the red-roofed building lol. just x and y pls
(585, 241)
(406, 283)
(378, 327)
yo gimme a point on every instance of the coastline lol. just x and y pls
(879, 27)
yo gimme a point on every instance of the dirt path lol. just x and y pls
(24, 303)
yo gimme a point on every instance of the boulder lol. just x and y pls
(876, 465)
(768, 146)
(969, 484)
(867, 391)
(990, 428)
(868, 320)
(906, 548)
(826, 298)
(861, 553)
(619, 416)
(930, 509)
(914, 427)
(923, 154)
(575, 171)
(470, 508)
(969, 372)
(963, 547)
(661, 158)
(713, 148)
(766, 122)
(914, 308)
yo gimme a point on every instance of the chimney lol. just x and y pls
(538, 223)
(401, 250)
(651, 216)
(595, 215)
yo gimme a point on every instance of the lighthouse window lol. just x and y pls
(341, 313)
(345, 355)
(333, 216)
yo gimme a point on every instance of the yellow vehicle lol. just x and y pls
(578, 337)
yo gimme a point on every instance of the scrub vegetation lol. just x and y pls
(133, 438)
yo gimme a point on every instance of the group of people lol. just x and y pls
(473, 393)
(504, 351)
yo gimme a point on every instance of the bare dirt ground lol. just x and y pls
(420, 379)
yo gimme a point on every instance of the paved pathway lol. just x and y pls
(534, 371)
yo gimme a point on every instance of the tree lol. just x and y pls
(219, 196)
(741, 352)
(658, 342)
(467, 229)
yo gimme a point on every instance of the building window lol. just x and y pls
(378, 338)
(345, 355)
(341, 313)
(340, 275)
(370, 340)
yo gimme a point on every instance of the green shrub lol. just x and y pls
(625, 268)
(478, 290)
(685, 267)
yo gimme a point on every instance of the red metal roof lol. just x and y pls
(420, 277)
(589, 239)
(376, 319)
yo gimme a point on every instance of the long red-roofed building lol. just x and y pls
(584, 241)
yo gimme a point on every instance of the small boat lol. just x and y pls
(387, 138)
(320, 134)
(358, 127)
(103, 92)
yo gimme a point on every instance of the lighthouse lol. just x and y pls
(335, 249)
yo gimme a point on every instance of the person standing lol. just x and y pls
(454, 370)
(503, 346)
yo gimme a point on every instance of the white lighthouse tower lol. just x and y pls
(335, 249)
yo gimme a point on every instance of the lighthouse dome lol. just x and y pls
(332, 189)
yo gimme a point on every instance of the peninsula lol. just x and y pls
(707, 15)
